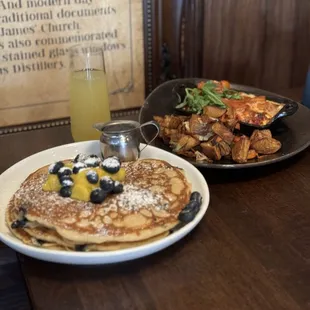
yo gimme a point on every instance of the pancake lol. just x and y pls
(54, 246)
(44, 237)
(154, 194)
(49, 236)
(10, 216)
(52, 238)
(114, 246)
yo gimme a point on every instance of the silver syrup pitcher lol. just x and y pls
(121, 138)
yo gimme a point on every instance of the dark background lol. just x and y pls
(261, 43)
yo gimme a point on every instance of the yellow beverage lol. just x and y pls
(89, 103)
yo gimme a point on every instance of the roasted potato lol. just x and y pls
(230, 112)
(223, 132)
(168, 132)
(240, 150)
(202, 157)
(266, 146)
(206, 119)
(171, 121)
(231, 123)
(159, 120)
(224, 148)
(211, 151)
(213, 111)
(197, 127)
(252, 154)
(189, 154)
(186, 143)
(205, 138)
(225, 84)
(260, 134)
(174, 138)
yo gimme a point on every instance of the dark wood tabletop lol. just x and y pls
(250, 251)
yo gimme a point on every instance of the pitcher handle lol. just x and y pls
(156, 135)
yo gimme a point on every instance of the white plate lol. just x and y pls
(11, 179)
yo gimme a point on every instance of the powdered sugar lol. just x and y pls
(111, 162)
(134, 198)
(80, 158)
(64, 169)
(79, 165)
(67, 182)
(51, 168)
(106, 179)
(91, 174)
(92, 161)
(88, 160)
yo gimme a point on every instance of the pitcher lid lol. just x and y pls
(117, 126)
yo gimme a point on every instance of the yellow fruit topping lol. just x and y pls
(82, 188)
(79, 192)
(81, 180)
(52, 184)
(69, 165)
(120, 175)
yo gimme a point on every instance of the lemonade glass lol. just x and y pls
(89, 98)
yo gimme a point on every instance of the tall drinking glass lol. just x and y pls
(306, 94)
(89, 98)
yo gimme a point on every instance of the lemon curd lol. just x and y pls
(81, 188)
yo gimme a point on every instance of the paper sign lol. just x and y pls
(34, 39)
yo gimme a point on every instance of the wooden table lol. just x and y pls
(250, 251)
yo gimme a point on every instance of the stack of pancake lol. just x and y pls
(154, 194)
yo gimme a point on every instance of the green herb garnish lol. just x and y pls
(231, 94)
(196, 99)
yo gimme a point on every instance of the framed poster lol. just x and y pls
(34, 65)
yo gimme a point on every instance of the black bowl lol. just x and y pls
(293, 131)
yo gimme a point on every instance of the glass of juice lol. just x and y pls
(89, 98)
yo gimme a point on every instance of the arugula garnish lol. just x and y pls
(231, 94)
(196, 99)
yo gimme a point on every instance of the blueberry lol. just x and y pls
(118, 187)
(193, 205)
(195, 196)
(80, 247)
(92, 161)
(107, 184)
(111, 164)
(40, 242)
(177, 227)
(66, 180)
(79, 158)
(186, 217)
(98, 195)
(92, 176)
(189, 212)
(54, 168)
(93, 156)
(77, 167)
(65, 191)
(19, 223)
(64, 171)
